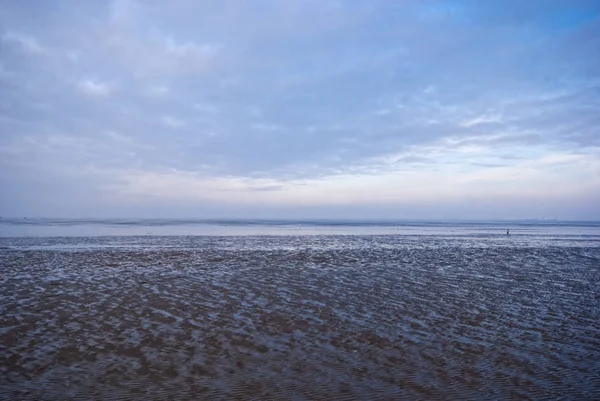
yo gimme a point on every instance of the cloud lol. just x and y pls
(157, 90)
(4, 74)
(124, 11)
(533, 179)
(267, 188)
(27, 43)
(148, 50)
(189, 50)
(173, 122)
(481, 119)
(206, 108)
(94, 88)
(303, 102)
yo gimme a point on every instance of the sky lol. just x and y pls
(300, 108)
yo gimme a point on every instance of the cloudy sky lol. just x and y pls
(300, 108)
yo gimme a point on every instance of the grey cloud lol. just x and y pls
(415, 159)
(291, 89)
(267, 188)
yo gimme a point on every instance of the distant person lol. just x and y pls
(507, 232)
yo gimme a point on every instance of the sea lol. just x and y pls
(162, 309)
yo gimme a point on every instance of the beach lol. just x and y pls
(453, 313)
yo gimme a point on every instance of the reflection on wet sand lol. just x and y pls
(338, 318)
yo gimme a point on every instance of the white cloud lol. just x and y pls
(205, 108)
(168, 57)
(148, 49)
(173, 122)
(151, 56)
(430, 90)
(26, 42)
(119, 137)
(95, 88)
(185, 186)
(301, 89)
(127, 141)
(382, 112)
(4, 73)
(72, 55)
(189, 49)
(535, 178)
(157, 90)
(267, 127)
(481, 119)
(124, 11)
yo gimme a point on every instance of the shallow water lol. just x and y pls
(371, 317)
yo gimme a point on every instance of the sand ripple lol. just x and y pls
(303, 318)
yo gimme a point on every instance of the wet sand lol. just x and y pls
(302, 318)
